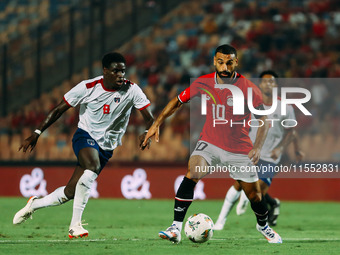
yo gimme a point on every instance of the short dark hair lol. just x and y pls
(112, 57)
(270, 72)
(226, 49)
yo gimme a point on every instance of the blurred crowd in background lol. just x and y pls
(297, 39)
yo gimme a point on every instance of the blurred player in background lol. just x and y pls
(277, 140)
(105, 106)
(221, 144)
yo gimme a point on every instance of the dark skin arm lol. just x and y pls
(289, 136)
(299, 154)
(169, 109)
(261, 135)
(148, 119)
(30, 142)
(287, 139)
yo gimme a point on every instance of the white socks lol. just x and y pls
(230, 199)
(82, 195)
(55, 198)
(243, 198)
(242, 205)
(178, 224)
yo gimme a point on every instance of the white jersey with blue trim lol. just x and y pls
(104, 113)
(276, 130)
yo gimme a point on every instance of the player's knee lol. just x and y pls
(93, 165)
(254, 197)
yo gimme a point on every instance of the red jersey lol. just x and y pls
(232, 136)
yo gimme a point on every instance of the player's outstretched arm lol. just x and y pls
(299, 154)
(169, 109)
(30, 142)
(148, 119)
(261, 135)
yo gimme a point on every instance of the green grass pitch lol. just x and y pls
(118, 226)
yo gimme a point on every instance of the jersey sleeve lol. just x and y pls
(189, 93)
(140, 100)
(76, 95)
(184, 96)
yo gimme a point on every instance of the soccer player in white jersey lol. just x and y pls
(105, 106)
(277, 139)
(220, 144)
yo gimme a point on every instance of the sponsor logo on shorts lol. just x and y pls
(91, 142)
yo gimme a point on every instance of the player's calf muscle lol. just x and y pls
(196, 165)
(69, 192)
(254, 196)
(195, 176)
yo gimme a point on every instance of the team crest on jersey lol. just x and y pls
(116, 100)
(230, 100)
(90, 142)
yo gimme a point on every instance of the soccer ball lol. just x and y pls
(199, 228)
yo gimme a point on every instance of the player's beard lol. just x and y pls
(225, 76)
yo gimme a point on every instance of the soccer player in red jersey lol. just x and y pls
(277, 139)
(227, 145)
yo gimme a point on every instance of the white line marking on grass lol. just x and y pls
(284, 239)
(311, 239)
(136, 239)
(4, 241)
(54, 241)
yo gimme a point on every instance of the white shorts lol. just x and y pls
(238, 166)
